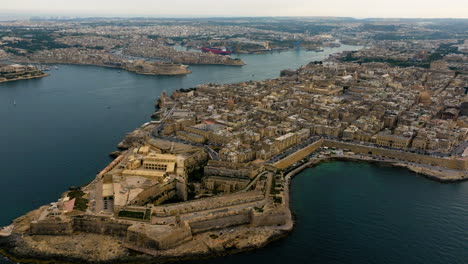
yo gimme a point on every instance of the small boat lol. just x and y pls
(14, 102)
(55, 67)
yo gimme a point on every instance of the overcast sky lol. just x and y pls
(203, 8)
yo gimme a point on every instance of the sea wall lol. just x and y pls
(458, 164)
(298, 155)
(270, 218)
(451, 163)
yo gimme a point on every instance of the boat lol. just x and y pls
(220, 51)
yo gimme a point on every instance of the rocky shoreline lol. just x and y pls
(93, 248)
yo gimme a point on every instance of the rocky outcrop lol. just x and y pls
(115, 154)
(135, 138)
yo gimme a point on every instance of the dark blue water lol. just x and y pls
(63, 126)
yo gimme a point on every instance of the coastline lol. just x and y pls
(101, 65)
(428, 173)
(26, 78)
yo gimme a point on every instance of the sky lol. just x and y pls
(207, 8)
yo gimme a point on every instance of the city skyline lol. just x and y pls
(242, 8)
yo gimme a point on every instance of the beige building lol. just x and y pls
(393, 141)
(285, 141)
(160, 162)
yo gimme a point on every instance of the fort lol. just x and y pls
(16, 72)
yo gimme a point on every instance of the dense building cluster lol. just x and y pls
(412, 109)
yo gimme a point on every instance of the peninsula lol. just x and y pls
(211, 176)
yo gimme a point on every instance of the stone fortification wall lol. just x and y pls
(458, 164)
(207, 203)
(219, 220)
(159, 192)
(157, 237)
(50, 227)
(298, 155)
(229, 169)
(79, 224)
(270, 218)
(451, 163)
(100, 226)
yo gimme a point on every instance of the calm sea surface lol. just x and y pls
(62, 127)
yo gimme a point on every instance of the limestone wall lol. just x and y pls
(270, 218)
(207, 203)
(220, 221)
(450, 163)
(50, 227)
(158, 237)
(155, 192)
(100, 226)
(229, 169)
(298, 155)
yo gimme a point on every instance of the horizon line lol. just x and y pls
(79, 15)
